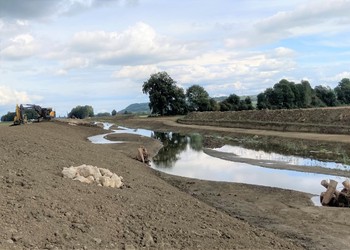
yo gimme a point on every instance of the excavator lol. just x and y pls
(43, 113)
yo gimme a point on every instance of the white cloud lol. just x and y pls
(12, 96)
(257, 65)
(76, 62)
(20, 47)
(136, 72)
(225, 88)
(137, 45)
(284, 52)
(338, 77)
(314, 17)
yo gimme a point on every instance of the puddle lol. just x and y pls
(292, 160)
(101, 139)
(316, 201)
(184, 156)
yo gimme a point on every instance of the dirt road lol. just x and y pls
(42, 210)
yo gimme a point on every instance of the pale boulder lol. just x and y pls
(90, 174)
(69, 172)
(106, 172)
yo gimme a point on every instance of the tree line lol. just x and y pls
(79, 112)
(289, 95)
(166, 98)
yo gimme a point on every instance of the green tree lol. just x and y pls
(9, 117)
(262, 101)
(326, 95)
(248, 103)
(197, 98)
(103, 114)
(343, 91)
(114, 112)
(231, 102)
(214, 105)
(81, 112)
(165, 97)
(303, 95)
(284, 94)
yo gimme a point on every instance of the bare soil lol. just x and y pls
(334, 120)
(39, 209)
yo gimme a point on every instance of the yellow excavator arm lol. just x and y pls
(43, 113)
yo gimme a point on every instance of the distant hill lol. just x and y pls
(136, 108)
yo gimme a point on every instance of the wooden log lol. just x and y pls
(325, 183)
(346, 184)
(332, 186)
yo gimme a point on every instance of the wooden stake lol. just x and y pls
(332, 186)
(140, 155)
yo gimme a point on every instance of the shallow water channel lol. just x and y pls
(183, 156)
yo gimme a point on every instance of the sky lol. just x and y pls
(64, 53)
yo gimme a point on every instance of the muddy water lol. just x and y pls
(184, 156)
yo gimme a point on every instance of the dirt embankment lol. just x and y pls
(317, 120)
(42, 210)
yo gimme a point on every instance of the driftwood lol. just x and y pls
(142, 155)
(332, 197)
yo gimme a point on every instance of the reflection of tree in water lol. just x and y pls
(196, 142)
(174, 144)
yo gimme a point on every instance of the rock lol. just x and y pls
(91, 179)
(97, 240)
(87, 171)
(105, 181)
(81, 179)
(90, 174)
(106, 172)
(117, 181)
(10, 241)
(129, 247)
(69, 172)
(147, 240)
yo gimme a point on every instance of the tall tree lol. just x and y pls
(231, 103)
(165, 97)
(262, 101)
(197, 98)
(343, 91)
(284, 93)
(81, 112)
(326, 95)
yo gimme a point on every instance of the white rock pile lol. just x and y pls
(90, 174)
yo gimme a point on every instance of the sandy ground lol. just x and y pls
(39, 209)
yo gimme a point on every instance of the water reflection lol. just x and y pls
(173, 145)
(183, 155)
(289, 159)
(189, 160)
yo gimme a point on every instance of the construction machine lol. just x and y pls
(42, 113)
